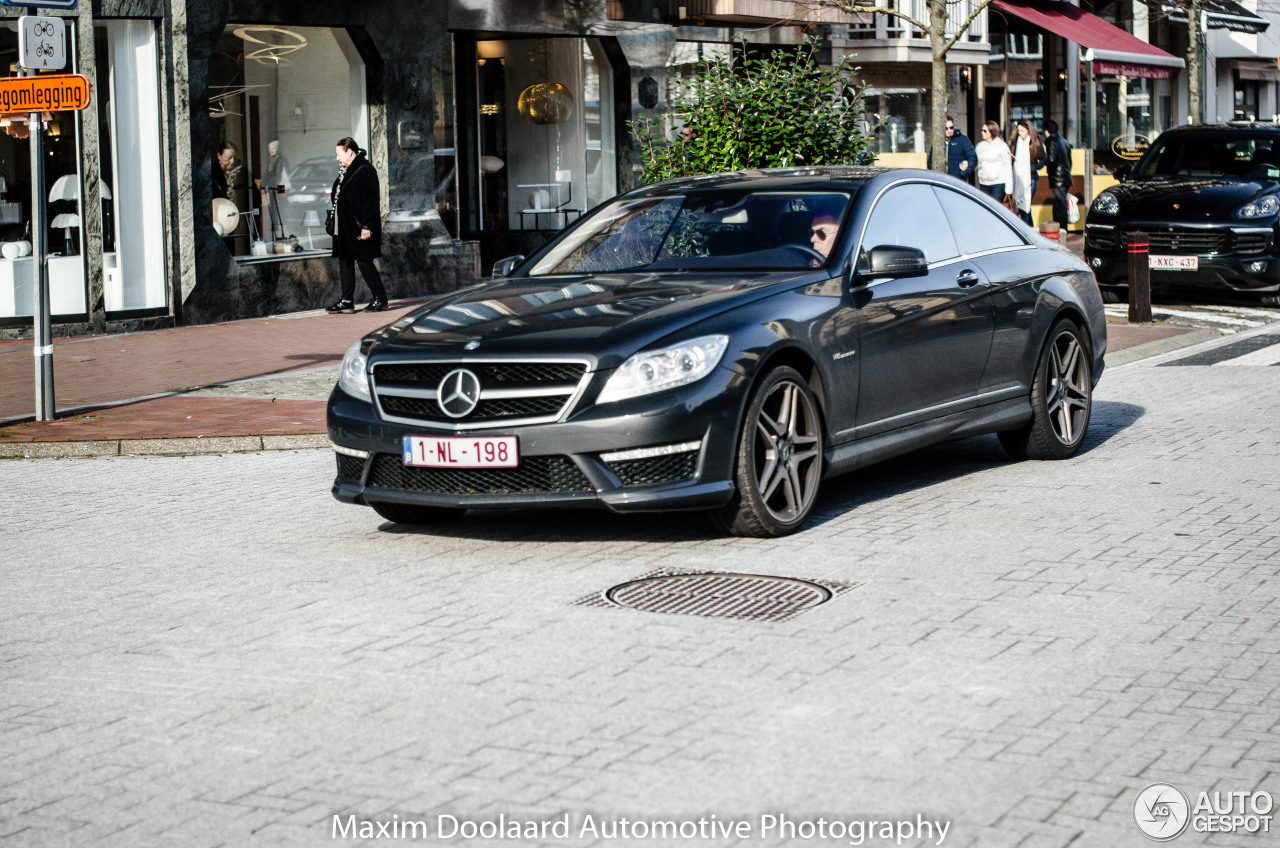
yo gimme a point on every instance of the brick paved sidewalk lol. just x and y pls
(254, 378)
(146, 385)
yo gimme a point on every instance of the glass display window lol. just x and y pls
(280, 97)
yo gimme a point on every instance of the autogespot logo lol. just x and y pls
(1162, 812)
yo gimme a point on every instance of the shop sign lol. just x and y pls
(1130, 146)
(46, 93)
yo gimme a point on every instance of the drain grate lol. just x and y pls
(713, 594)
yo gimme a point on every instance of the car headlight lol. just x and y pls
(1262, 207)
(354, 376)
(656, 370)
(1106, 204)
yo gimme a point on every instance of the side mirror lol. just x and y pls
(1124, 172)
(889, 260)
(504, 267)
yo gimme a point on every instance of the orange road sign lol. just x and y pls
(45, 93)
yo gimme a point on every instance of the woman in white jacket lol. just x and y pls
(1028, 157)
(995, 163)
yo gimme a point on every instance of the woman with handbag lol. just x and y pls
(355, 222)
(995, 163)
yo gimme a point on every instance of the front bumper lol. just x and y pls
(566, 463)
(1241, 259)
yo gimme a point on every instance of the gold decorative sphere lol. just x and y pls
(546, 103)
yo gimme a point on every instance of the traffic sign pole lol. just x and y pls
(43, 329)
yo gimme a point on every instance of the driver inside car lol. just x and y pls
(822, 233)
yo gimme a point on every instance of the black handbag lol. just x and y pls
(328, 221)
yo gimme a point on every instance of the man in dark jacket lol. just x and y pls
(1057, 154)
(962, 159)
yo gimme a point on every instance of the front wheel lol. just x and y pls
(414, 514)
(1061, 399)
(779, 459)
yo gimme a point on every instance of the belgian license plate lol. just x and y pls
(462, 451)
(1175, 263)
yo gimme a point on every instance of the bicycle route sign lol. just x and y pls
(42, 43)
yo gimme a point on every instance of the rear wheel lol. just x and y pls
(414, 514)
(1271, 300)
(779, 462)
(1061, 399)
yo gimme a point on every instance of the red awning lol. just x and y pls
(1111, 49)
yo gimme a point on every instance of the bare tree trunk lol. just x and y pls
(1193, 61)
(938, 120)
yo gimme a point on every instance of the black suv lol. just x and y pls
(1206, 197)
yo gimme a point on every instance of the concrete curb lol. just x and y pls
(160, 447)
(1146, 350)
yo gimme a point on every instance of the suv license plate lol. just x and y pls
(462, 452)
(1175, 263)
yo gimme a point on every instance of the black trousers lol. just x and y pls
(372, 279)
(1060, 205)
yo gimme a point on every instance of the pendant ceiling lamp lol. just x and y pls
(546, 103)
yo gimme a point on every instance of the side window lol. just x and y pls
(975, 226)
(909, 216)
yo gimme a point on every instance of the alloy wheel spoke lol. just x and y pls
(770, 476)
(792, 489)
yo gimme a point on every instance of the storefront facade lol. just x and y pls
(491, 125)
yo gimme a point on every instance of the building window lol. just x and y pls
(281, 97)
(545, 132)
(68, 299)
(130, 157)
(903, 114)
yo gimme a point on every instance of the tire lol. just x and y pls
(1110, 294)
(1061, 399)
(414, 514)
(779, 462)
(1271, 300)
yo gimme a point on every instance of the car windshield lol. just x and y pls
(703, 231)
(1241, 155)
(325, 173)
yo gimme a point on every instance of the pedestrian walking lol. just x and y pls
(1057, 162)
(995, 163)
(1028, 157)
(961, 158)
(355, 222)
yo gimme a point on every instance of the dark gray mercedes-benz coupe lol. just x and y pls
(725, 343)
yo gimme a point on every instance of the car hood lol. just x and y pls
(595, 315)
(1187, 198)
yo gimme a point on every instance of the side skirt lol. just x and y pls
(1006, 415)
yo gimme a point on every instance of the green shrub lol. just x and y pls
(784, 110)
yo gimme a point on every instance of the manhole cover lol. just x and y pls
(759, 597)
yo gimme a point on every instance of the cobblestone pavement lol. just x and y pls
(210, 651)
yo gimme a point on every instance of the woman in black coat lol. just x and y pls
(356, 218)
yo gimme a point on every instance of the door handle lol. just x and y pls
(966, 279)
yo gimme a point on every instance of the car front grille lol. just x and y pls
(536, 475)
(511, 393)
(1189, 241)
(1255, 242)
(1098, 239)
(656, 470)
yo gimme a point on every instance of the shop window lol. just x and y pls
(281, 97)
(546, 132)
(130, 158)
(446, 160)
(903, 117)
(68, 299)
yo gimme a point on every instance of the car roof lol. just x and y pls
(1226, 126)
(840, 177)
